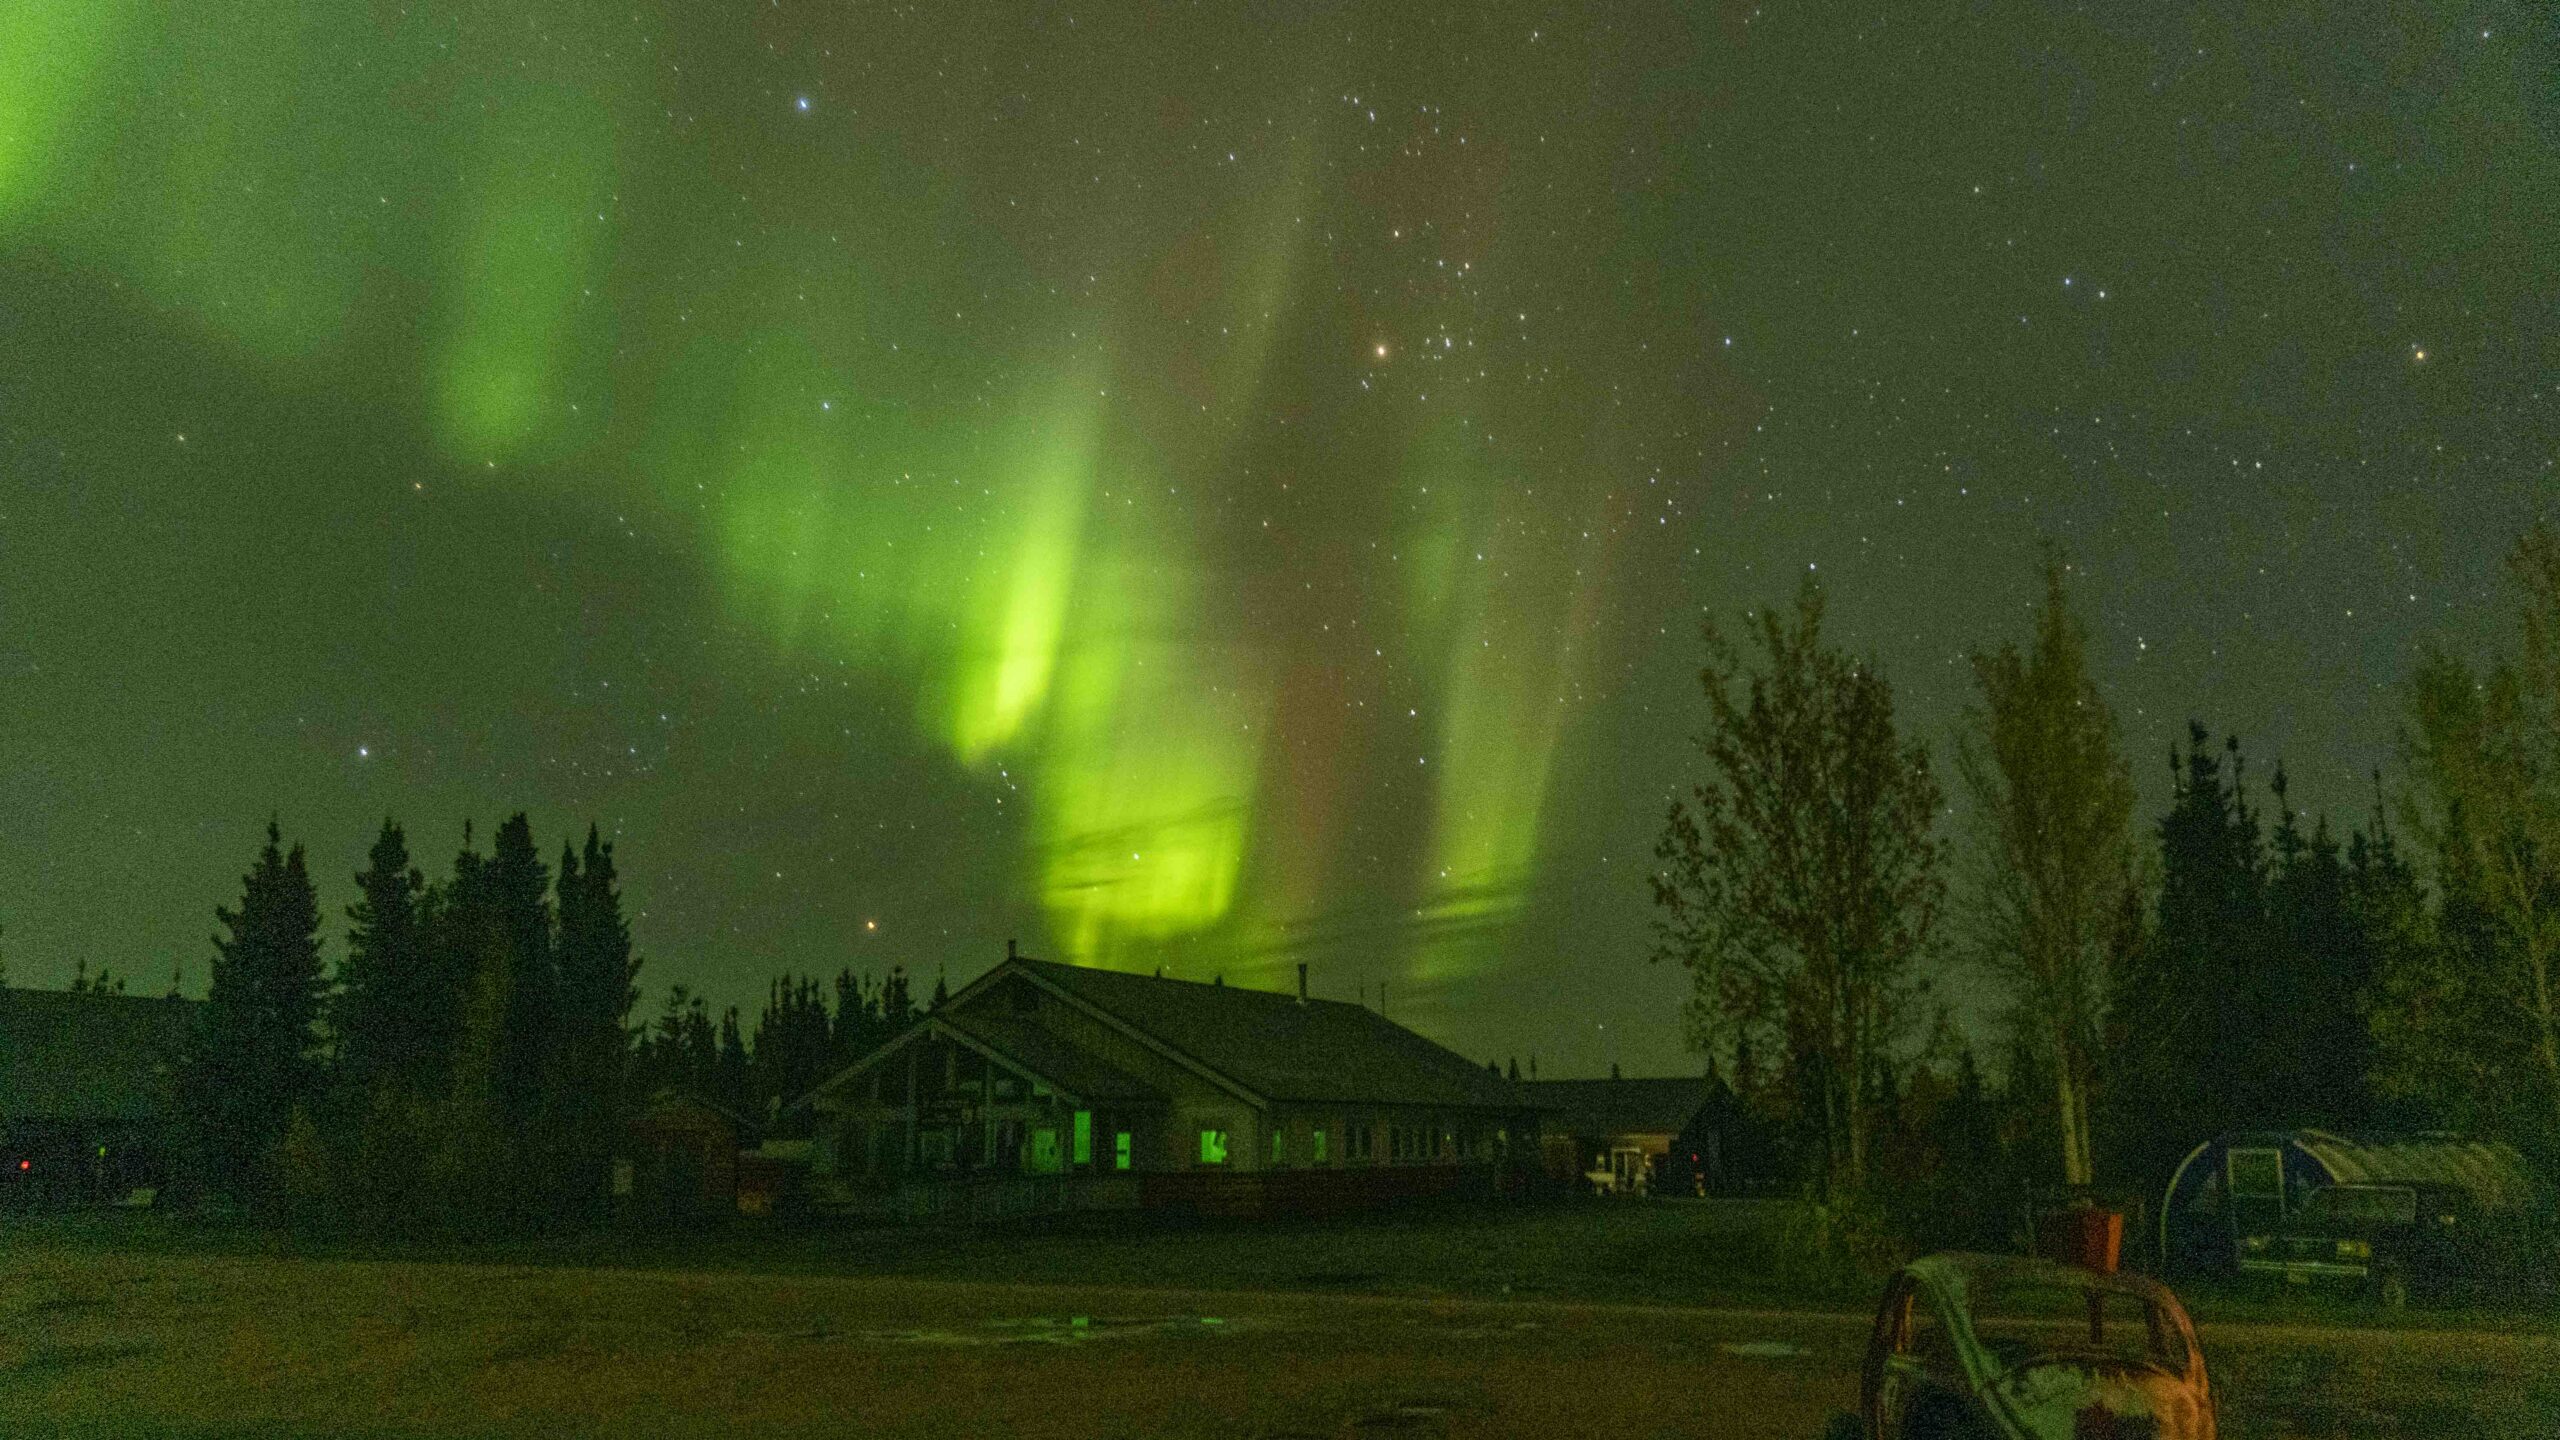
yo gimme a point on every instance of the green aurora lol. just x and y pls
(1253, 482)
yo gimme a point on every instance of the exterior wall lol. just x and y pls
(870, 1157)
(684, 1160)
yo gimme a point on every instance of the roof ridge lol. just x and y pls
(1280, 995)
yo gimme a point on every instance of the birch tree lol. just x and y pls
(2054, 864)
(2484, 757)
(1800, 879)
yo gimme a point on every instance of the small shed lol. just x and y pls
(681, 1159)
(2241, 1183)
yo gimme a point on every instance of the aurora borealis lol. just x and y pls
(1215, 488)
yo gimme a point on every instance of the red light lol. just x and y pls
(25, 1164)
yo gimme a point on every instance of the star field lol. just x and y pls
(1215, 488)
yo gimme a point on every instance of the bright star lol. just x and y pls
(802, 103)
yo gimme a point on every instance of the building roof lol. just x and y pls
(1065, 1065)
(1276, 1046)
(2495, 1174)
(1619, 1107)
(87, 1055)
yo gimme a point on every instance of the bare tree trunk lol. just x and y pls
(2538, 961)
(2073, 1105)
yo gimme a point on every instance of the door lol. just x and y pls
(2253, 1178)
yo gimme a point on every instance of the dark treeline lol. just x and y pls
(806, 1032)
(2233, 963)
(471, 1058)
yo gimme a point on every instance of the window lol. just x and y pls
(2257, 1173)
(1120, 1150)
(1044, 1151)
(1084, 1137)
(1213, 1147)
(934, 1147)
(1280, 1147)
(1315, 1147)
(1363, 1145)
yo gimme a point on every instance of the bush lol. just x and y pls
(1843, 1245)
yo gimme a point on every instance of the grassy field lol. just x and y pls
(1669, 1253)
(131, 1343)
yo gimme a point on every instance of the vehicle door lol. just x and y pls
(1905, 1354)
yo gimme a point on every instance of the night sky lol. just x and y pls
(1212, 489)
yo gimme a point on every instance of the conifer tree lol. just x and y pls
(520, 918)
(255, 1056)
(731, 1083)
(2186, 1019)
(2323, 964)
(897, 1007)
(596, 977)
(375, 1016)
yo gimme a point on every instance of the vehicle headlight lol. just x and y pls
(2355, 1249)
(2254, 1242)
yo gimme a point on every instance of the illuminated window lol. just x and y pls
(1213, 1147)
(1120, 1150)
(1315, 1147)
(1279, 1147)
(1084, 1137)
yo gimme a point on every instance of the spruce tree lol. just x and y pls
(2189, 1003)
(375, 1014)
(255, 1058)
(2318, 1050)
(897, 1007)
(520, 917)
(731, 1084)
(596, 977)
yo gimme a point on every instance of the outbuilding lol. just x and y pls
(2246, 1182)
(680, 1159)
(88, 1095)
(1640, 1136)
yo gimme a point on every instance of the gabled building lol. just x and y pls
(88, 1093)
(1046, 1086)
(1620, 1136)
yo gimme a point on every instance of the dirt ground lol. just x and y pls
(103, 1344)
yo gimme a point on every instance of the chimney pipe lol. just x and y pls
(1009, 952)
(1302, 982)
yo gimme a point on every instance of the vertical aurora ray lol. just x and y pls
(52, 55)
(1145, 779)
(1484, 607)
(1014, 619)
(527, 256)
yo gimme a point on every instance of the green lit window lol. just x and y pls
(1084, 1137)
(1120, 1150)
(1279, 1147)
(1213, 1147)
(1315, 1147)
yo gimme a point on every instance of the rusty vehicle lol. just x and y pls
(1992, 1347)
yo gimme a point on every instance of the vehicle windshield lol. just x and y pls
(2386, 1205)
(2020, 1322)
